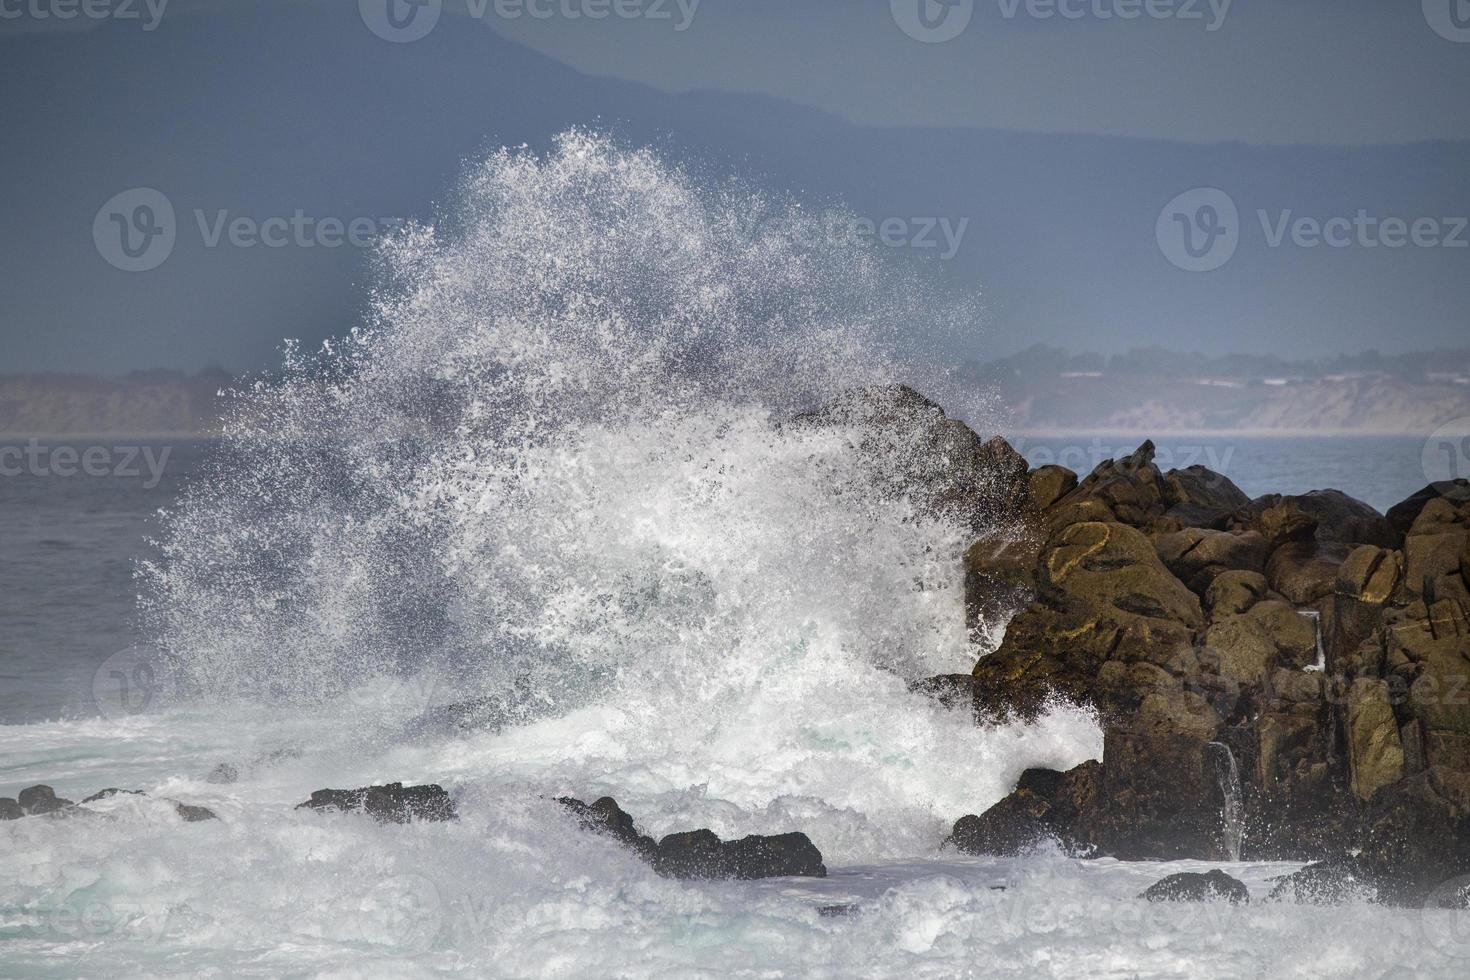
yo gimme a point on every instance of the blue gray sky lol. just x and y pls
(1244, 176)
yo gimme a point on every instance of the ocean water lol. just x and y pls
(549, 476)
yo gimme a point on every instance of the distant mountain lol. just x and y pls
(262, 109)
(1156, 391)
(146, 403)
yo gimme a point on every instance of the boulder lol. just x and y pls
(1048, 484)
(1235, 592)
(10, 809)
(950, 690)
(1198, 556)
(1325, 883)
(1129, 491)
(1045, 805)
(1305, 571)
(1402, 515)
(1329, 516)
(1200, 497)
(1103, 594)
(919, 452)
(37, 801)
(392, 803)
(1188, 886)
(701, 854)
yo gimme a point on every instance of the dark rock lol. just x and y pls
(838, 911)
(776, 856)
(1325, 883)
(1197, 556)
(937, 462)
(1049, 484)
(1305, 571)
(606, 817)
(1013, 826)
(1323, 515)
(1200, 497)
(1212, 886)
(39, 800)
(1045, 805)
(223, 773)
(10, 809)
(700, 854)
(1402, 515)
(111, 791)
(393, 803)
(950, 690)
(193, 814)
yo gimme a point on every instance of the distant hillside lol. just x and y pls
(1156, 391)
(143, 403)
(1042, 389)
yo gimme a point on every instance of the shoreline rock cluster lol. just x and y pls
(41, 801)
(1280, 678)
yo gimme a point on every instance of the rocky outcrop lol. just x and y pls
(701, 854)
(393, 803)
(1302, 656)
(41, 800)
(1212, 886)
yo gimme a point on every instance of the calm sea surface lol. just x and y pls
(69, 544)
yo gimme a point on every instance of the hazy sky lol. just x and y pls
(1060, 144)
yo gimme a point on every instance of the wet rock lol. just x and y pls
(1129, 490)
(1045, 805)
(393, 803)
(1212, 886)
(10, 809)
(1325, 883)
(950, 690)
(193, 814)
(111, 791)
(223, 773)
(606, 817)
(37, 801)
(701, 854)
(921, 453)
(1103, 595)
(839, 911)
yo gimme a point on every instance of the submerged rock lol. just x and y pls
(37, 801)
(1325, 883)
(392, 803)
(701, 854)
(1188, 886)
